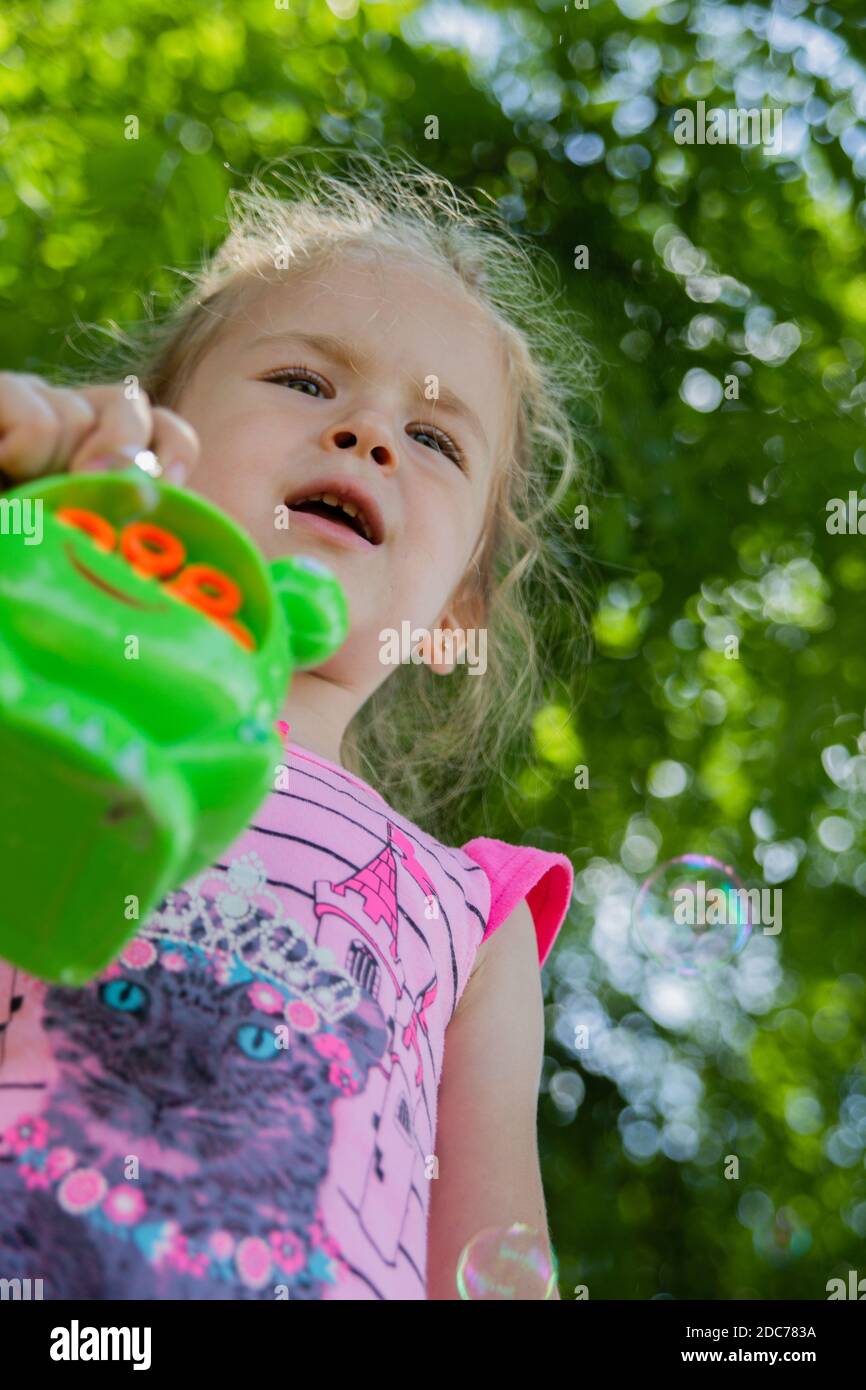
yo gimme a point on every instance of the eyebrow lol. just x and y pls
(350, 356)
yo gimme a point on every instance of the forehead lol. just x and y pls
(406, 318)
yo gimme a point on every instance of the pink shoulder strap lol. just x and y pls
(543, 878)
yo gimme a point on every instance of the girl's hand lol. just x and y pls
(49, 429)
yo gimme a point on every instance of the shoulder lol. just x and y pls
(506, 964)
(515, 933)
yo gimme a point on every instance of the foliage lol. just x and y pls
(726, 297)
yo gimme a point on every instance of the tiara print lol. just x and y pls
(232, 916)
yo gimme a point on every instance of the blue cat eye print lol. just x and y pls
(258, 1043)
(123, 995)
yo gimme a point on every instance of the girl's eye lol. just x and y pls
(302, 379)
(433, 438)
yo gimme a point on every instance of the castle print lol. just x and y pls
(358, 920)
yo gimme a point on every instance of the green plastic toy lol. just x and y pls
(145, 652)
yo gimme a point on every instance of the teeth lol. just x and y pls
(332, 500)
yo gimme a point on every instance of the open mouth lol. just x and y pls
(347, 508)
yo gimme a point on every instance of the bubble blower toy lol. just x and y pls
(146, 648)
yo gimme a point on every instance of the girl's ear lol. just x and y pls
(467, 612)
(442, 655)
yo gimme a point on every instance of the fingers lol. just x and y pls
(46, 428)
(122, 429)
(39, 425)
(175, 443)
(124, 426)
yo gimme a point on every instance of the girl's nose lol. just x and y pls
(367, 436)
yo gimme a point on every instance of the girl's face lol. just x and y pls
(382, 385)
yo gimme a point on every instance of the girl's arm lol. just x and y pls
(486, 1140)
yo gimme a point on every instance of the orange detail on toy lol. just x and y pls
(193, 585)
(238, 631)
(101, 531)
(151, 550)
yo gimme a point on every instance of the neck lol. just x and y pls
(319, 711)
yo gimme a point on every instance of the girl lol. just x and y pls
(365, 357)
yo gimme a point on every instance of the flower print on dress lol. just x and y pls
(241, 925)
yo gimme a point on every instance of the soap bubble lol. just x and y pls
(692, 913)
(507, 1262)
(783, 1240)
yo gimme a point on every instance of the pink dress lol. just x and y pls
(243, 1105)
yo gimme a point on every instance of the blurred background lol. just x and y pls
(725, 294)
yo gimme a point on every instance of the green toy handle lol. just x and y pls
(146, 650)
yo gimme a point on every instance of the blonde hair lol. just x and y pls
(426, 742)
